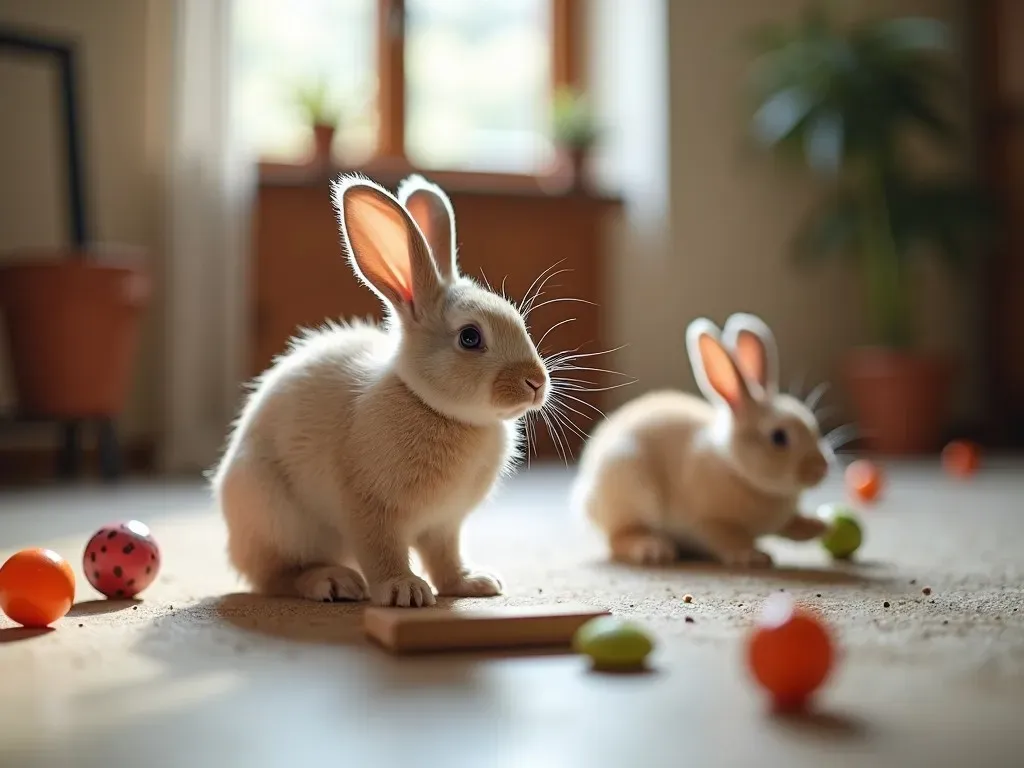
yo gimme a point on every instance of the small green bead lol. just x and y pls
(845, 536)
(612, 643)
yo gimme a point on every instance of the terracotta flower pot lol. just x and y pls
(323, 138)
(570, 170)
(901, 399)
(73, 327)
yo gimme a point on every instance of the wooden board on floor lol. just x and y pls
(417, 630)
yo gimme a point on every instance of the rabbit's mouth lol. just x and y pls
(520, 388)
(522, 409)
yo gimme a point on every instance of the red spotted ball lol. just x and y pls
(121, 559)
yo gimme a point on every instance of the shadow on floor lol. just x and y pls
(17, 634)
(849, 573)
(830, 725)
(98, 607)
(336, 624)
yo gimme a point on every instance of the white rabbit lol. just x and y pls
(670, 472)
(363, 441)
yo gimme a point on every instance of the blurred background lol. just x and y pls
(851, 172)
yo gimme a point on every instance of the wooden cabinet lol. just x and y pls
(1000, 47)
(508, 237)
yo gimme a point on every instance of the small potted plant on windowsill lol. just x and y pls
(575, 134)
(844, 102)
(322, 114)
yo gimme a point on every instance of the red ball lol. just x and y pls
(961, 458)
(864, 480)
(790, 652)
(121, 559)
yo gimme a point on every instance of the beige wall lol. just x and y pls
(732, 213)
(125, 46)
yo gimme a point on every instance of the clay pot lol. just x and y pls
(901, 399)
(323, 138)
(571, 169)
(73, 326)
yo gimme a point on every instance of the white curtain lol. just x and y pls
(211, 186)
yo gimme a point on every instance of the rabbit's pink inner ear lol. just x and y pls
(752, 357)
(721, 371)
(432, 217)
(380, 240)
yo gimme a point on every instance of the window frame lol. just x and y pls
(389, 159)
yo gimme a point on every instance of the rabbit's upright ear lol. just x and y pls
(717, 374)
(385, 246)
(753, 345)
(433, 212)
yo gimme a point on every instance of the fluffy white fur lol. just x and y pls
(362, 442)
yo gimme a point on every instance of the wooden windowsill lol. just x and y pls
(390, 171)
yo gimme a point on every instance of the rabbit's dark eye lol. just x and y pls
(470, 337)
(779, 438)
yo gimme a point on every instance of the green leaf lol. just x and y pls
(824, 142)
(782, 114)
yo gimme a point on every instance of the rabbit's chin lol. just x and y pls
(480, 415)
(513, 414)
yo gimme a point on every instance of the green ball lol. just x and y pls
(845, 535)
(613, 644)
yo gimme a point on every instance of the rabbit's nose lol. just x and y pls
(536, 386)
(814, 469)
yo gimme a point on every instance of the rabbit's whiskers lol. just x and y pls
(815, 395)
(534, 291)
(840, 436)
(563, 400)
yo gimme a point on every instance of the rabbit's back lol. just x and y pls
(636, 459)
(301, 410)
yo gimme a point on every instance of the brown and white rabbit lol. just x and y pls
(670, 472)
(362, 442)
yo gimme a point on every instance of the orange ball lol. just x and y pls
(864, 480)
(790, 652)
(961, 458)
(37, 587)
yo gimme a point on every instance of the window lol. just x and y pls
(452, 85)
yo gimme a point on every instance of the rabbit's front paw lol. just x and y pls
(331, 584)
(800, 528)
(644, 549)
(748, 558)
(404, 592)
(472, 585)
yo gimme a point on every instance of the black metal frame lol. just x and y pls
(63, 53)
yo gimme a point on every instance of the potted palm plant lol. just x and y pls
(844, 101)
(575, 133)
(320, 111)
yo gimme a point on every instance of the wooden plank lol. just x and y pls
(417, 630)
